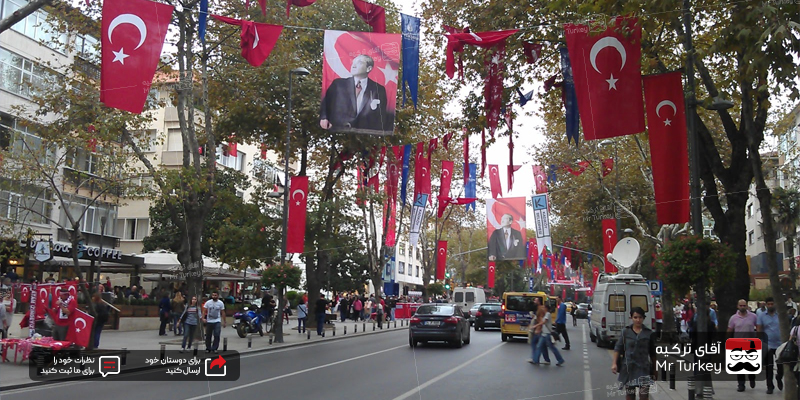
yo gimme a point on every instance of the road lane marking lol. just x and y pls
(212, 394)
(419, 388)
(587, 373)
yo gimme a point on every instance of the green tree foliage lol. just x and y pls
(691, 259)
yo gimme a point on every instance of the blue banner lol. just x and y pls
(471, 190)
(570, 101)
(201, 20)
(406, 158)
(410, 29)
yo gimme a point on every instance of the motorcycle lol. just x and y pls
(247, 321)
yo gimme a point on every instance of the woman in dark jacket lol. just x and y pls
(638, 367)
(164, 308)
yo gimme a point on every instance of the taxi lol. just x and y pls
(517, 311)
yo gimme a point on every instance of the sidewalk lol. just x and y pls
(722, 390)
(13, 375)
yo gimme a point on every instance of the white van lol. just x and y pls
(613, 299)
(466, 297)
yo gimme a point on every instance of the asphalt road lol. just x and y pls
(380, 366)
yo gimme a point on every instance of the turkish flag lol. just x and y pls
(132, 36)
(446, 201)
(668, 148)
(422, 171)
(25, 293)
(511, 170)
(298, 3)
(608, 165)
(532, 51)
(73, 289)
(494, 181)
(42, 299)
(433, 144)
(80, 330)
(441, 259)
(609, 241)
(595, 275)
(446, 140)
(533, 251)
(456, 42)
(582, 165)
(393, 169)
(257, 40)
(298, 197)
(490, 278)
(540, 178)
(446, 178)
(374, 182)
(263, 151)
(373, 15)
(608, 78)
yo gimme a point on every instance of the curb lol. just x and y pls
(246, 351)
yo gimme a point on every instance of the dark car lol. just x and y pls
(439, 323)
(488, 315)
(582, 312)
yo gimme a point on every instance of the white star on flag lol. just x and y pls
(612, 83)
(521, 223)
(120, 56)
(389, 74)
(667, 122)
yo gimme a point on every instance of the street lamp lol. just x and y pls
(606, 143)
(299, 72)
(103, 220)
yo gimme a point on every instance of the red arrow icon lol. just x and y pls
(219, 362)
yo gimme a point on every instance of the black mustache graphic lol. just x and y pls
(743, 365)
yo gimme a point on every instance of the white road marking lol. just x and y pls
(587, 373)
(212, 394)
(418, 389)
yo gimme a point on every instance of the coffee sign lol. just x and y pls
(65, 250)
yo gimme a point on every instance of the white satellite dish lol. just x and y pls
(625, 254)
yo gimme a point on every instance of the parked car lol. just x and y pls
(472, 312)
(582, 312)
(440, 322)
(488, 315)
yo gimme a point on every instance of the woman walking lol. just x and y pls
(177, 311)
(545, 340)
(189, 318)
(638, 349)
(100, 319)
(302, 316)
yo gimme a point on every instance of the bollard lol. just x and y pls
(373, 326)
(249, 342)
(363, 327)
(708, 392)
(663, 374)
(225, 344)
(672, 380)
(163, 350)
(690, 384)
(323, 332)
(334, 331)
(270, 339)
(195, 350)
(124, 358)
(309, 335)
(345, 330)
(395, 323)
(355, 328)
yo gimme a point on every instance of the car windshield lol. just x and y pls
(491, 308)
(520, 303)
(435, 310)
(583, 306)
(476, 306)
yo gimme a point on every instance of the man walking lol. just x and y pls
(319, 308)
(768, 323)
(561, 323)
(213, 314)
(742, 325)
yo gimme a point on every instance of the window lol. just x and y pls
(749, 211)
(20, 139)
(616, 302)
(224, 158)
(470, 297)
(133, 228)
(32, 206)
(458, 297)
(264, 170)
(751, 237)
(638, 300)
(401, 268)
(174, 139)
(35, 26)
(402, 249)
(418, 254)
(417, 271)
(90, 214)
(24, 77)
(520, 303)
(435, 310)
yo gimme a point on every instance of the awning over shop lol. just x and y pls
(165, 264)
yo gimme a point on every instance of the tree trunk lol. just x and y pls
(790, 253)
(23, 12)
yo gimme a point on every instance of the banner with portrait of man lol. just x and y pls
(505, 222)
(359, 82)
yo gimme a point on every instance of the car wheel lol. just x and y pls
(477, 328)
(592, 337)
(466, 341)
(503, 337)
(411, 342)
(459, 341)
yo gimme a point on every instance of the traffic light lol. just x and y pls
(447, 284)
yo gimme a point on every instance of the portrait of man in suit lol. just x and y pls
(506, 243)
(357, 104)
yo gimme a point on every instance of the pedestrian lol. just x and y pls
(190, 318)
(164, 310)
(100, 319)
(357, 308)
(561, 323)
(768, 323)
(574, 317)
(344, 306)
(762, 308)
(177, 310)
(659, 319)
(302, 316)
(214, 314)
(3, 324)
(535, 333)
(62, 313)
(742, 325)
(367, 312)
(392, 305)
(637, 346)
(8, 302)
(319, 308)
(379, 311)
(545, 340)
(792, 316)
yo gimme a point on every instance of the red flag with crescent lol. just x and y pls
(446, 201)
(298, 197)
(608, 166)
(43, 299)
(490, 278)
(540, 178)
(494, 181)
(609, 241)
(373, 15)
(393, 169)
(80, 330)
(608, 77)
(533, 252)
(668, 146)
(595, 275)
(73, 289)
(257, 39)
(132, 35)
(446, 140)
(25, 293)
(441, 259)
(446, 178)
(422, 170)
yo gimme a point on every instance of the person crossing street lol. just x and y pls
(561, 323)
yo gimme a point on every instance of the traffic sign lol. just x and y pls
(656, 287)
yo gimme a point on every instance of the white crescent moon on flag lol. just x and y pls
(129, 19)
(603, 43)
(491, 268)
(490, 215)
(333, 60)
(424, 170)
(445, 173)
(25, 289)
(302, 193)
(441, 250)
(666, 103)
(81, 320)
(493, 170)
(609, 232)
(255, 42)
(540, 178)
(43, 294)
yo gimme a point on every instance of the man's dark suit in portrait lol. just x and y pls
(356, 104)
(506, 243)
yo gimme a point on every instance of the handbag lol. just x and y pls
(788, 351)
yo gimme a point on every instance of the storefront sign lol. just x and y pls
(89, 252)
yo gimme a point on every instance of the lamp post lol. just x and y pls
(299, 72)
(103, 221)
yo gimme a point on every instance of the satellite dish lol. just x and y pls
(625, 254)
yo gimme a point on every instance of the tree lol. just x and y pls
(787, 216)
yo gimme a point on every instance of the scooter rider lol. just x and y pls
(267, 308)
